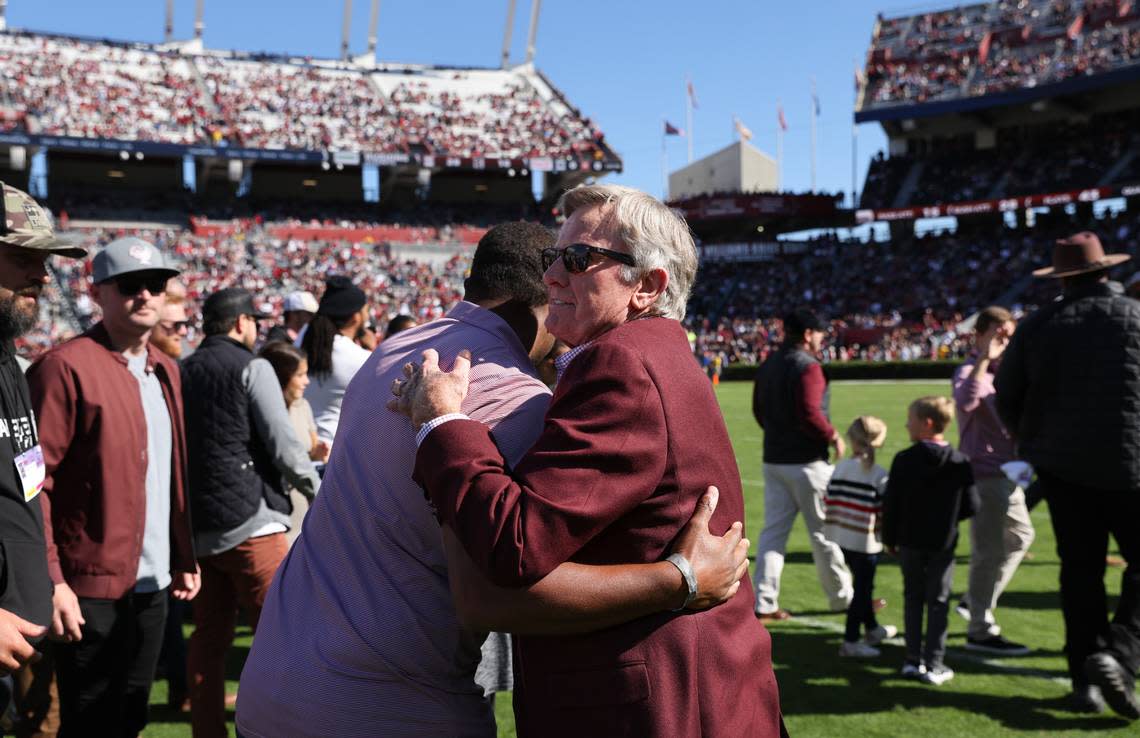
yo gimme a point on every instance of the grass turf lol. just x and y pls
(823, 695)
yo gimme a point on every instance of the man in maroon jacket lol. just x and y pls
(110, 421)
(632, 435)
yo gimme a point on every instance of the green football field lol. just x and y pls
(823, 695)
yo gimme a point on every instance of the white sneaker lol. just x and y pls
(912, 671)
(858, 650)
(937, 676)
(880, 633)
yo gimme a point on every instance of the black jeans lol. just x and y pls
(104, 679)
(927, 578)
(1083, 518)
(861, 612)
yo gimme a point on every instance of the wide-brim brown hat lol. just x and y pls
(1079, 254)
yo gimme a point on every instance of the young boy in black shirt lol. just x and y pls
(930, 489)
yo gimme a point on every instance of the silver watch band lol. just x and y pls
(687, 574)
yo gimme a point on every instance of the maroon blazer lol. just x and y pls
(93, 432)
(632, 439)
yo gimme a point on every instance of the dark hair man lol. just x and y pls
(1069, 391)
(110, 415)
(242, 450)
(393, 647)
(790, 402)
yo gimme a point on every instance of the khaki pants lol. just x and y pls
(790, 489)
(1000, 534)
(36, 697)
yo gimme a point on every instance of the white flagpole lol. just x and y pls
(813, 134)
(689, 117)
(779, 145)
(664, 165)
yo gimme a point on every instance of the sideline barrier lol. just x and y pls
(862, 370)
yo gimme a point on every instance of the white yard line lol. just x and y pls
(892, 381)
(951, 654)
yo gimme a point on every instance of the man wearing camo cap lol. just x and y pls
(26, 241)
(114, 451)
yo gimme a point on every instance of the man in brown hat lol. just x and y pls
(1069, 391)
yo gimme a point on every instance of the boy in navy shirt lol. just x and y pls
(930, 489)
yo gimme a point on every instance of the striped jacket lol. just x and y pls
(854, 504)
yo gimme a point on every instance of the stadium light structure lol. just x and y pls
(3, 15)
(506, 60)
(346, 28)
(373, 21)
(535, 7)
(199, 22)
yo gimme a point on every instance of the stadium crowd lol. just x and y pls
(105, 90)
(899, 300)
(1026, 160)
(993, 47)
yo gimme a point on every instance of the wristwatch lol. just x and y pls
(687, 574)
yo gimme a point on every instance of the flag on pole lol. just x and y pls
(692, 93)
(814, 99)
(672, 130)
(780, 117)
(743, 130)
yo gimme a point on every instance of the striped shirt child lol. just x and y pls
(854, 503)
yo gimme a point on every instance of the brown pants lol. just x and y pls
(36, 697)
(236, 578)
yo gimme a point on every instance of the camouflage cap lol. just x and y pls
(27, 225)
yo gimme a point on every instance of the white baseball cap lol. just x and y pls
(300, 301)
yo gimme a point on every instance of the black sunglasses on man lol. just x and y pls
(130, 285)
(576, 256)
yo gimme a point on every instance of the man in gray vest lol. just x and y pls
(789, 401)
(242, 452)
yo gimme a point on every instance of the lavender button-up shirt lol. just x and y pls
(982, 436)
(359, 634)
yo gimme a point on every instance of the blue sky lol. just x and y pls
(623, 63)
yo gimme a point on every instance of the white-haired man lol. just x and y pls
(632, 435)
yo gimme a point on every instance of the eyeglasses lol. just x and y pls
(131, 284)
(576, 256)
(175, 326)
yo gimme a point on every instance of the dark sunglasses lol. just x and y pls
(176, 326)
(576, 256)
(131, 284)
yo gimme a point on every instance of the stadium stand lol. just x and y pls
(63, 86)
(987, 48)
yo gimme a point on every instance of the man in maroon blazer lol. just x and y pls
(632, 433)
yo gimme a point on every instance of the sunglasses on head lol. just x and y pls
(130, 285)
(576, 256)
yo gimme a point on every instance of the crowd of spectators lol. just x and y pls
(64, 86)
(67, 87)
(456, 115)
(1026, 160)
(269, 105)
(987, 48)
(895, 300)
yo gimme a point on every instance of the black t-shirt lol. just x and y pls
(25, 586)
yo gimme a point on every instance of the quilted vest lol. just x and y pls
(230, 469)
(784, 439)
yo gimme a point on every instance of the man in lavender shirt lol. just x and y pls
(373, 623)
(1000, 531)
